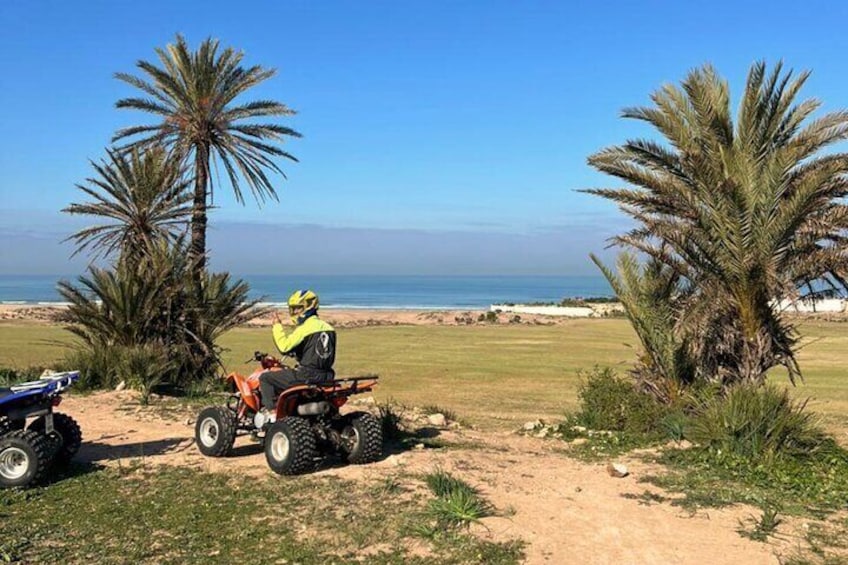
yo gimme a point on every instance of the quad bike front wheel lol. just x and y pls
(362, 438)
(215, 431)
(66, 436)
(24, 457)
(290, 446)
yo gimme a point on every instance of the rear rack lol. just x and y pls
(354, 385)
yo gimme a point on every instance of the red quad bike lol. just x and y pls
(308, 425)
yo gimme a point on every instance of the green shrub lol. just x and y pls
(443, 483)
(10, 376)
(757, 423)
(96, 366)
(457, 503)
(144, 367)
(610, 402)
(391, 421)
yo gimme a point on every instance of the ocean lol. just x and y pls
(368, 291)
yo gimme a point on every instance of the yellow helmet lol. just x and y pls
(302, 304)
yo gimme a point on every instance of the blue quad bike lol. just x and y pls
(50, 440)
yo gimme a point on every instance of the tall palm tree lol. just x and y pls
(143, 198)
(746, 211)
(194, 92)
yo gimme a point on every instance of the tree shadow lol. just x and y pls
(94, 452)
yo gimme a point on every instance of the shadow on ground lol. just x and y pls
(93, 452)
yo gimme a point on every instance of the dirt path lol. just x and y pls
(567, 511)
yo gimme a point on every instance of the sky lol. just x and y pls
(438, 137)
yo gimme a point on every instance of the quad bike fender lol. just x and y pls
(247, 387)
(288, 400)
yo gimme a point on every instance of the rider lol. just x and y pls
(313, 343)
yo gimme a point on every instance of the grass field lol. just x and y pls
(498, 376)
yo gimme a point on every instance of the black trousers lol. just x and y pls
(271, 383)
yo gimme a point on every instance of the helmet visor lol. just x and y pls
(295, 311)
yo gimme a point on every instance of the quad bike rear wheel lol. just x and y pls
(215, 431)
(290, 446)
(362, 438)
(66, 437)
(24, 457)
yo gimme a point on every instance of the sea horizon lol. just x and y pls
(408, 292)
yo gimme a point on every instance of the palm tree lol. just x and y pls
(745, 211)
(193, 93)
(144, 199)
(651, 294)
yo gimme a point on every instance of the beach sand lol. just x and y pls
(342, 318)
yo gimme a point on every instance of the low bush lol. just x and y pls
(10, 376)
(456, 504)
(759, 423)
(96, 366)
(144, 367)
(391, 421)
(610, 402)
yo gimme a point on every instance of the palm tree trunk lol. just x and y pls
(197, 251)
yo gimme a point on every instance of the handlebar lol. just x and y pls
(267, 361)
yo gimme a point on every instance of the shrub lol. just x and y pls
(457, 503)
(96, 366)
(10, 376)
(144, 367)
(391, 421)
(610, 402)
(757, 423)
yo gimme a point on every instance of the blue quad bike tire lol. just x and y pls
(65, 439)
(25, 456)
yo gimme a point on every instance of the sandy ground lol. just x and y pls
(352, 318)
(567, 511)
(342, 318)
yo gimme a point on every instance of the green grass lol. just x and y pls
(176, 515)
(812, 485)
(498, 376)
(457, 504)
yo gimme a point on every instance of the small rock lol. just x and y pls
(530, 426)
(396, 460)
(47, 373)
(437, 420)
(578, 429)
(368, 400)
(418, 446)
(121, 386)
(579, 441)
(543, 432)
(617, 470)
(189, 421)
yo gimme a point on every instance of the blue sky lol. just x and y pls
(439, 137)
